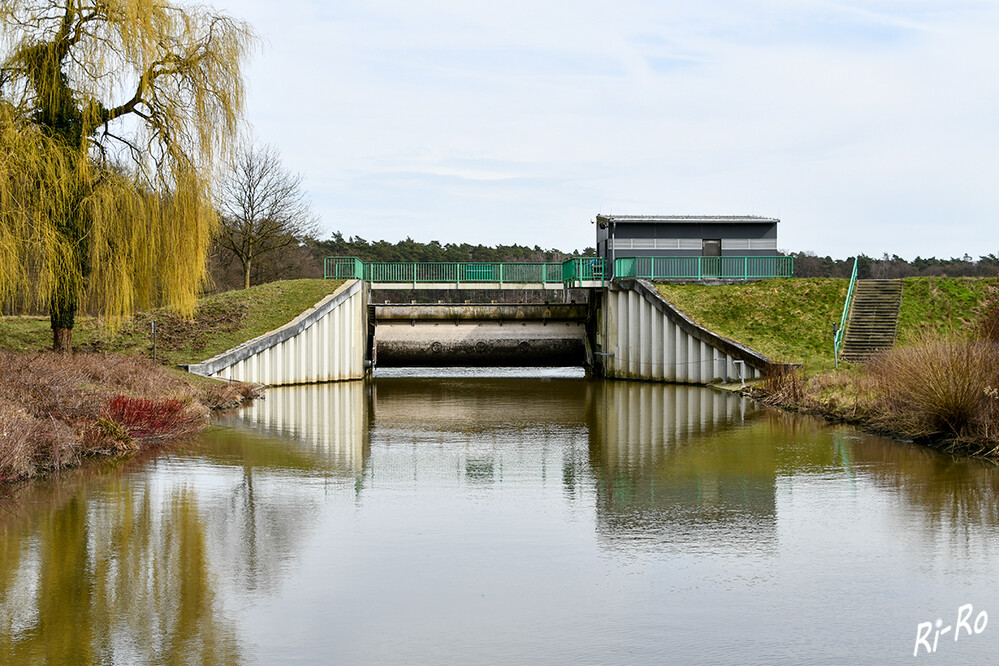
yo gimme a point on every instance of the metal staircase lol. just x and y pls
(873, 319)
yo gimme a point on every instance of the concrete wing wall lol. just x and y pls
(642, 336)
(323, 344)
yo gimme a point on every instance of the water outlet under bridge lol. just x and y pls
(537, 335)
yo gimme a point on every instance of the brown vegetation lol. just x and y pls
(56, 410)
(943, 391)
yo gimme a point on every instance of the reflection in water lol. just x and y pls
(459, 519)
(328, 421)
(666, 474)
(481, 430)
(120, 576)
(945, 495)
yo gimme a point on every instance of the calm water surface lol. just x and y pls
(539, 518)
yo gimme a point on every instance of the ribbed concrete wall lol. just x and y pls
(328, 421)
(638, 424)
(642, 336)
(323, 344)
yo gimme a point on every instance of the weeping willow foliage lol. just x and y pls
(113, 115)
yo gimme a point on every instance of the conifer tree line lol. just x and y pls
(303, 258)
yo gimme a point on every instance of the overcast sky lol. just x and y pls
(865, 126)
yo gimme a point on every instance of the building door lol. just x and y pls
(711, 257)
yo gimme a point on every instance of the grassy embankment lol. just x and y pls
(109, 398)
(939, 385)
(222, 321)
(790, 320)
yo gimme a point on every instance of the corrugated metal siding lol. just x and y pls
(749, 243)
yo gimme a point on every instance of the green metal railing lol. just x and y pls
(841, 331)
(699, 268)
(582, 269)
(569, 273)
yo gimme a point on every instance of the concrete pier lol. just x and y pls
(323, 344)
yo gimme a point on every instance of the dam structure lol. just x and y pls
(624, 329)
(615, 323)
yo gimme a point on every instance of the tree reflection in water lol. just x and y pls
(158, 560)
(120, 575)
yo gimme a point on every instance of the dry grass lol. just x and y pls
(943, 391)
(939, 389)
(783, 385)
(57, 409)
(988, 323)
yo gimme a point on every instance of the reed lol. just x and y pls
(941, 389)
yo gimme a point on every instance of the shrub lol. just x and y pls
(988, 323)
(784, 384)
(151, 420)
(56, 408)
(938, 388)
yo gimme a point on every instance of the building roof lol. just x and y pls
(687, 219)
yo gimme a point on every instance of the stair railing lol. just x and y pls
(841, 332)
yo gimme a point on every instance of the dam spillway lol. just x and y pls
(625, 330)
(548, 335)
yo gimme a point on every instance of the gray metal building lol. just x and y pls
(621, 236)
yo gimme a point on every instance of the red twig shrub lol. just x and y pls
(151, 420)
(56, 409)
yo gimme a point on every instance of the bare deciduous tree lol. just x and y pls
(263, 207)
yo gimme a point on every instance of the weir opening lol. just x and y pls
(452, 335)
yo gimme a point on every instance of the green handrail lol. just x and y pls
(840, 333)
(572, 272)
(699, 268)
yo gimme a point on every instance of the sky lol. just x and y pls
(866, 127)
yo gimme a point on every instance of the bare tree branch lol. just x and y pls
(262, 206)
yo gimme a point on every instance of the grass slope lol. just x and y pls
(942, 305)
(788, 319)
(791, 320)
(222, 321)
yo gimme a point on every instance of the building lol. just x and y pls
(654, 241)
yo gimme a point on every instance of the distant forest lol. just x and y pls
(807, 264)
(304, 258)
(411, 250)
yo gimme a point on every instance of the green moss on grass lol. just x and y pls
(791, 320)
(935, 305)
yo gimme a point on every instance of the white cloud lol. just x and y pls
(864, 125)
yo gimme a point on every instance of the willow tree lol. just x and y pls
(112, 116)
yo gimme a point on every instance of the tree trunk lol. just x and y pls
(61, 314)
(62, 340)
(246, 274)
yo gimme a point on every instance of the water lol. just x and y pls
(515, 518)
